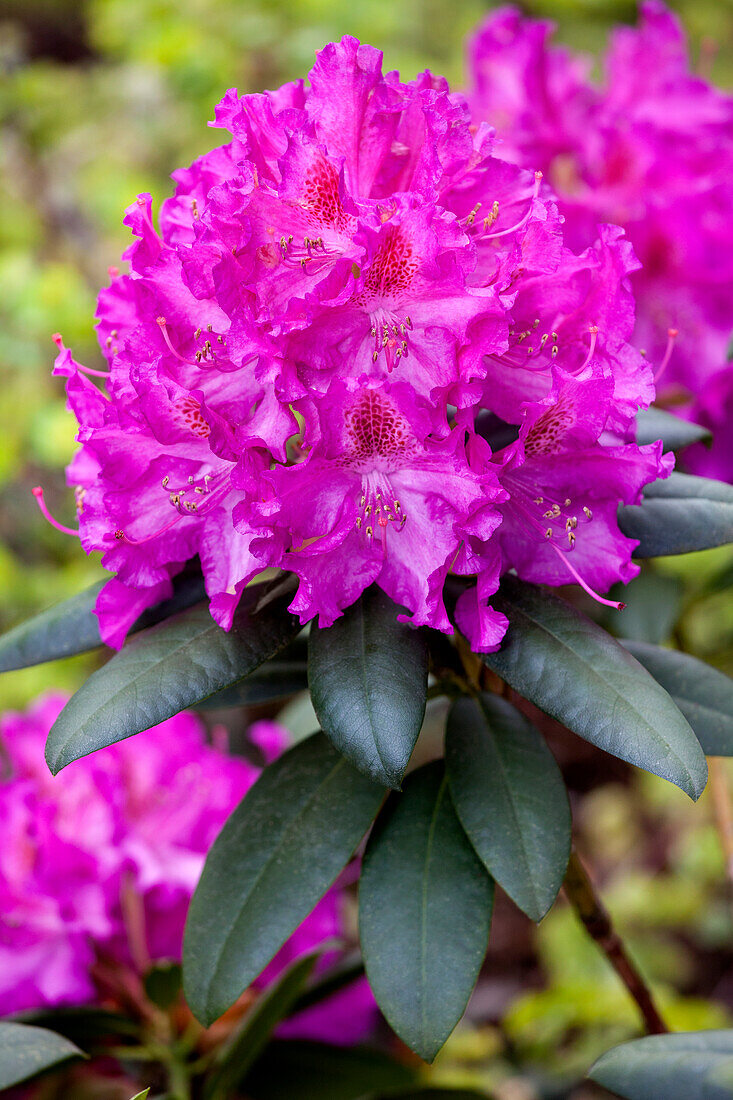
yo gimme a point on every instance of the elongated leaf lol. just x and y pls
(26, 1051)
(678, 515)
(296, 1070)
(273, 680)
(242, 1050)
(164, 670)
(276, 856)
(672, 1067)
(142, 1095)
(675, 433)
(703, 694)
(510, 798)
(573, 670)
(336, 978)
(424, 912)
(368, 676)
(71, 627)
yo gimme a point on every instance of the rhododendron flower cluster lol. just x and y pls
(651, 149)
(312, 349)
(98, 868)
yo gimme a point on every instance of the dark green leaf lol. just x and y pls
(678, 515)
(276, 856)
(164, 670)
(675, 433)
(296, 1070)
(703, 694)
(424, 912)
(236, 1057)
(672, 1067)
(273, 680)
(83, 1026)
(368, 675)
(336, 978)
(26, 1051)
(71, 627)
(573, 670)
(163, 984)
(510, 798)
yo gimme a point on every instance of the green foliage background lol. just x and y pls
(103, 99)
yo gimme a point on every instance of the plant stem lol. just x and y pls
(596, 920)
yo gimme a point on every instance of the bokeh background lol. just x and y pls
(101, 100)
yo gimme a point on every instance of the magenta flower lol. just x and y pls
(98, 869)
(298, 355)
(377, 492)
(650, 149)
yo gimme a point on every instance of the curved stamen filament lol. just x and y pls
(58, 341)
(583, 584)
(593, 330)
(522, 222)
(164, 331)
(141, 202)
(672, 335)
(38, 494)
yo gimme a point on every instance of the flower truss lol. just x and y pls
(314, 353)
(651, 149)
(98, 868)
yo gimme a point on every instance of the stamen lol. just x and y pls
(146, 218)
(122, 537)
(58, 341)
(672, 335)
(593, 330)
(523, 221)
(164, 331)
(583, 584)
(38, 494)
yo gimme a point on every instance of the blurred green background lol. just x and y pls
(103, 99)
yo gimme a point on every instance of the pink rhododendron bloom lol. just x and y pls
(302, 353)
(98, 868)
(650, 149)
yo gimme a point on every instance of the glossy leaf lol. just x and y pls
(703, 694)
(368, 675)
(243, 1048)
(573, 670)
(510, 798)
(678, 515)
(71, 627)
(273, 680)
(424, 912)
(347, 970)
(142, 1095)
(276, 856)
(675, 1067)
(675, 433)
(297, 1070)
(26, 1051)
(164, 670)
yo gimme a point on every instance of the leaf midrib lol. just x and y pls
(603, 680)
(209, 628)
(285, 832)
(515, 816)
